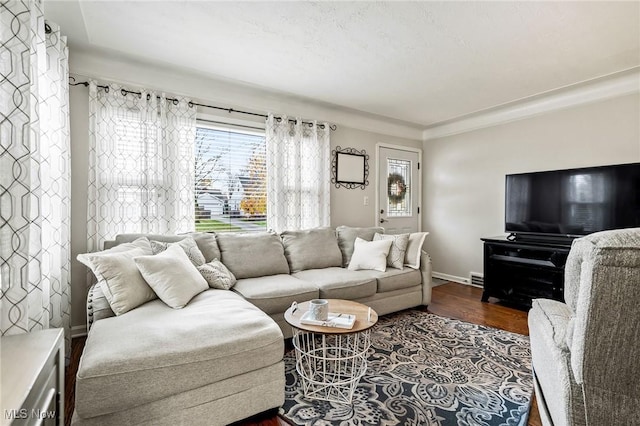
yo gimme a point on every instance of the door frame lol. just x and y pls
(399, 148)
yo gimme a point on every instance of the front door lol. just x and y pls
(399, 190)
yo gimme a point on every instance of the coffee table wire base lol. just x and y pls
(331, 365)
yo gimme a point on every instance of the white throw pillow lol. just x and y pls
(414, 249)
(172, 276)
(141, 243)
(370, 255)
(119, 278)
(217, 275)
(398, 249)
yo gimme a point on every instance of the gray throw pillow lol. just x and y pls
(347, 236)
(311, 249)
(399, 244)
(187, 244)
(217, 275)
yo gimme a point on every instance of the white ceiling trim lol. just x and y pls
(620, 84)
(228, 94)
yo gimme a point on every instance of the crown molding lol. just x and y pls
(613, 86)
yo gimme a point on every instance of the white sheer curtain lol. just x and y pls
(34, 172)
(298, 174)
(141, 164)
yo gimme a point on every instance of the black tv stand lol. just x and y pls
(519, 270)
(560, 240)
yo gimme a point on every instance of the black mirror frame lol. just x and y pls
(362, 184)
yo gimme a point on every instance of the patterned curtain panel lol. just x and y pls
(34, 172)
(298, 174)
(141, 164)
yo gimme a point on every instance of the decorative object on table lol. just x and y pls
(334, 319)
(428, 370)
(350, 168)
(319, 309)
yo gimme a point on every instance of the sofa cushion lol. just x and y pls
(206, 241)
(347, 237)
(275, 293)
(250, 255)
(311, 249)
(395, 279)
(340, 283)
(172, 276)
(207, 244)
(129, 360)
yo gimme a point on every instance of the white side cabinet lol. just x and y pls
(32, 378)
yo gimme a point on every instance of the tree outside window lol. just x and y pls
(230, 180)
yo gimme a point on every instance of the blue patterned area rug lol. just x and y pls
(424, 369)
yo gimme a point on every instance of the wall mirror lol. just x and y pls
(350, 168)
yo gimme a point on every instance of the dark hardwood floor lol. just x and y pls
(449, 300)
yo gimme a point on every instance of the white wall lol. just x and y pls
(464, 174)
(346, 204)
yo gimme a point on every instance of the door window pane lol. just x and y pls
(398, 187)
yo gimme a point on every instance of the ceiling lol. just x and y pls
(419, 62)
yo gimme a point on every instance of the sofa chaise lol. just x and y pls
(219, 358)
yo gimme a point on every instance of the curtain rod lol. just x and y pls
(125, 92)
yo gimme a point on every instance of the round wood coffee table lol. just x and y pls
(331, 360)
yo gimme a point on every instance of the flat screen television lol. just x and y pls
(565, 204)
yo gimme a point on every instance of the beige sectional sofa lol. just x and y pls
(219, 359)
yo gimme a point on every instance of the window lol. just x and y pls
(230, 180)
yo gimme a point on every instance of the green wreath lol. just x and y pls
(396, 188)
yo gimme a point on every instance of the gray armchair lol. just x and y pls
(586, 352)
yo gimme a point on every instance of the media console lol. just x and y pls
(518, 271)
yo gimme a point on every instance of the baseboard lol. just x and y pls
(448, 277)
(78, 331)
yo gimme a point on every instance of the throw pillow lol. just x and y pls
(347, 236)
(370, 255)
(398, 249)
(189, 246)
(141, 243)
(414, 249)
(119, 278)
(172, 276)
(217, 275)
